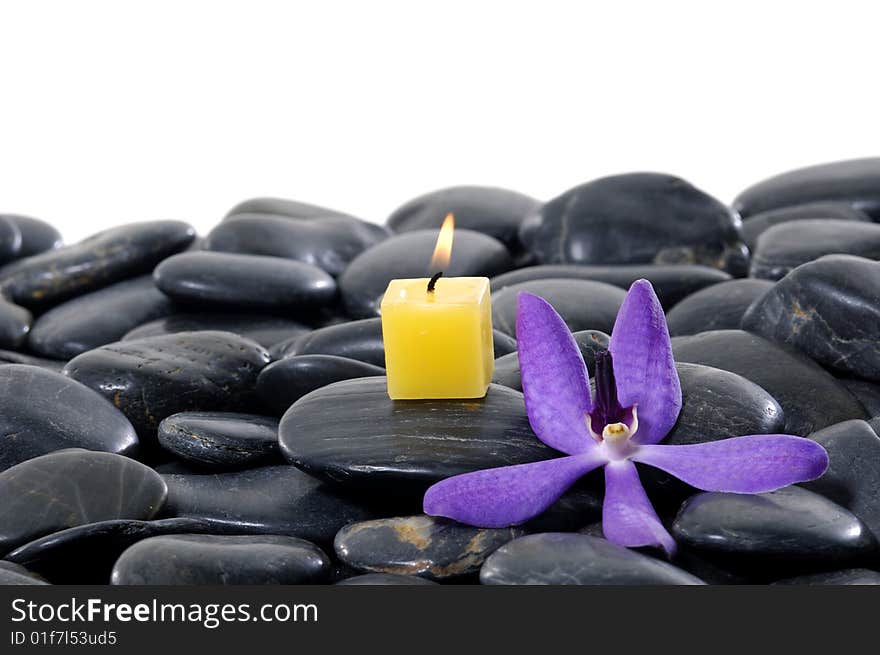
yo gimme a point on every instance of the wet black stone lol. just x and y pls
(328, 242)
(671, 282)
(221, 440)
(42, 411)
(97, 318)
(384, 579)
(15, 323)
(17, 575)
(828, 309)
(853, 476)
(284, 382)
(437, 549)
(220, 280)
(557, 558)
(855, 182)
(583, 305)
(502, 344)
(408, 255)
(791, 529)
(107, 257)
(11, 357)
(266, 330)
(638, 218)
(375, 443)
(188, 559)
(844, 577)
(36, 235)
(867, 392)
(150, 379)
(811, 398)
(785, 247)
(490, 210)
(73, 487)
(282, 207)
(268, 500)
(719, 307)
(10, 239)
(360, 340)
(755, 226)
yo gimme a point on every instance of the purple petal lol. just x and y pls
(509, 495)
(749, 465)
(628, 518)
(554, 377)
(643, 364)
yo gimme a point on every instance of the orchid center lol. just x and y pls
(611, 424)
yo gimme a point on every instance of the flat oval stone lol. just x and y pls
(221, 440)
(73, 487)
(561, 558)
(284, 382)
(188, 559)
(790, 528)
(36, 235)
(408, 255)
(268, 500)
(42, 411)
(107, 257)
(671, 282)
(97, 318)
(755, 226)
(719, 307)
(811, 399)
(836, 578)
(360, 340)
(329, 242)
(829, 310)
(639, 218)
(11, 357)
(853, 181)
(384, 579)
(867, 392)
(490, 210)
(10, 239)
(150, 379)
(282, 207)
(376, 443)
(583, 305)
(502, 344)
(266, 330)
(228, 280)
(17, 575)
(15, 324)
(785, 247)
(433, 548)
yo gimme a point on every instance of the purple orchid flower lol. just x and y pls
(637, 402)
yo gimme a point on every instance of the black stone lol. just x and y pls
(73, 487)
(189, 559)
(360, 340)
(437, 549)
(583, 305)
(97, 318)
(756, 225)
(42, 411)
(558, 558)
(375, 443)
(221, 280)
(811, 399)
(638, 218)
(828, 309)
(12, 574)
(12, 357)
(719, 307)
(107, 257)
(408, 255)
(221, 441)
(10, 239)
(502, 344)
(15, 323)
(36, 236)
(384, 579)
(867, 392)
(264, 329)
(281, 207)
(836, 578)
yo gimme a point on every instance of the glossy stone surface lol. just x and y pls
(830, 310)
(221, 280)
(281, 207)
(152, 378)
(384, 579)
(844, 577)
(107, 257)
(284, 382)
(15, 323)
(583, 305)
(866, 391)
(719, 307)
(97, 318)
(12, 574)
(755, 226)
(12, 357)
(42, 411)
(408, 444)
(10, 239)
(73, 487)
(221, 440)
(557, 558)
(810, 398)
(36, 235)
(360, 340)
(408, 255)
(188, 559)
(671, 282)
(639, 218)
(434, 548)
(266, 330)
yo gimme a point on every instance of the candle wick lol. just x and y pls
(433, 281)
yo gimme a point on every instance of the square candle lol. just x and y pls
(438, 344)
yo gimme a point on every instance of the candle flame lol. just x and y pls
(443, 249)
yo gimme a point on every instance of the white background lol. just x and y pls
(114, 111)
